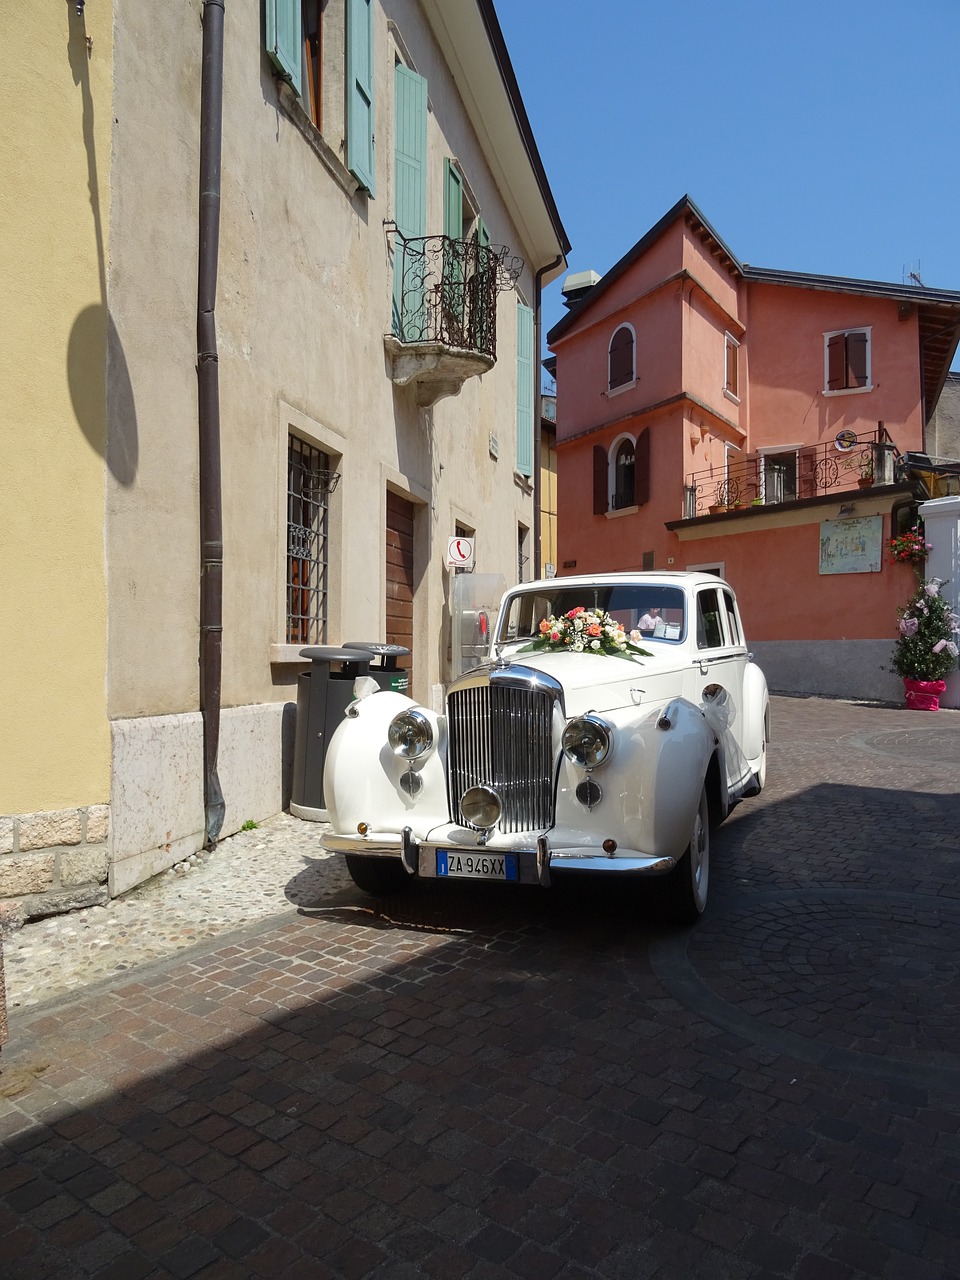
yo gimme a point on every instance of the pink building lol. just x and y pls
(764, 424)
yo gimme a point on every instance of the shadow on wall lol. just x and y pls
(96, 364)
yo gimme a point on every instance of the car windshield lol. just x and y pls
(657, 612)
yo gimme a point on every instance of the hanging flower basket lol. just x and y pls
(923, 695)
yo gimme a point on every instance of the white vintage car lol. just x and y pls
(616, 718)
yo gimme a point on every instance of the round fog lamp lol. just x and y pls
(587, 741)
(410, 734)
(480, 807)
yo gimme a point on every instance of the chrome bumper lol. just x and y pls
(536, 863)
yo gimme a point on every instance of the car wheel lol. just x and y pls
(684, 890)
(379, 876)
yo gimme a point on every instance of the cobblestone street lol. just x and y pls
(479, 1082)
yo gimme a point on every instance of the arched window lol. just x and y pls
(624, 475)
(622, 347)
(621, 473)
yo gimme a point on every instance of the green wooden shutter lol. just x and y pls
(452, 201)
(360, 91)
(284, 35)
(410, 213)
(482, 321)
(454, 308)
(524, 390)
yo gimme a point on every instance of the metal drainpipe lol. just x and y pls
(537, 409)
(211, 504)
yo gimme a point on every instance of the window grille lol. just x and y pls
(310, 481)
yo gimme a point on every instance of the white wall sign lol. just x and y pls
(459, 553)
(851, 546)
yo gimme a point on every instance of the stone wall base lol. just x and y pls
(62, 860)
(830, 668)
(52, 862)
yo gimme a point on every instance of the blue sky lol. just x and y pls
(814, 136)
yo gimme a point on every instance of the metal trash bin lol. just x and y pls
(386, 672)
(323, 694)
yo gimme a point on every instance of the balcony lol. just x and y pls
(815, 471)
(445, 312)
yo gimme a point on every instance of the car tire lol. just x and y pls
(378, 876)
(761, 774)
(684, 890)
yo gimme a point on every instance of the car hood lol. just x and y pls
(601, 682)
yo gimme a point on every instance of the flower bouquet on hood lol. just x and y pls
(583, 630)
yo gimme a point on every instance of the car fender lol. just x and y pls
(756, 701)
(361, 776)
(651, 784)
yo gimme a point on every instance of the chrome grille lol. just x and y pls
(501, 736)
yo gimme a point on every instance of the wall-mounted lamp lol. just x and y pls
(846, 509)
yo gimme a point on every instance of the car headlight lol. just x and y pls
(410, 734)
(480, 807)
(587, 741)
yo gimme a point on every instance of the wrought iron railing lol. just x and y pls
(445, 291)
(769, 479)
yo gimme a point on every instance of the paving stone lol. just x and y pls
(479, 1084)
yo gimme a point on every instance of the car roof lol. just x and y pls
(670, 578)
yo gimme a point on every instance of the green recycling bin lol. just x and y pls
(385, 669)
(323, 695)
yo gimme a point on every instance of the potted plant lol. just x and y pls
(925, 651)
(863, 463)
(909, 547)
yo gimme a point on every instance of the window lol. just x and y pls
(523, 553)
(779, 477)
(310, 481)
(846, 360)
(624, 465)
(313, 61)
(733, 628)
(295, 43)
(731, 376)
(525, 373)
(621, 358)
(621, 477)
(709, 625)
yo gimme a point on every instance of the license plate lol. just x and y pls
(476, 866)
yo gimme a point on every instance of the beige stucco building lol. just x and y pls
(377, 389)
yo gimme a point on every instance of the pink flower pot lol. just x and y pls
(923, 695)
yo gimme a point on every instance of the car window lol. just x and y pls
(657, 612)
(709, 625)
(733, 628)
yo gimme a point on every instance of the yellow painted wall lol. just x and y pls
(55, 131)
(548, 497)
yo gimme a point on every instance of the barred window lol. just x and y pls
(309, 483)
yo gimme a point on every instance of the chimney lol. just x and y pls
(576, 285)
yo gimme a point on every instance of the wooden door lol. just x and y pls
(400, 515)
